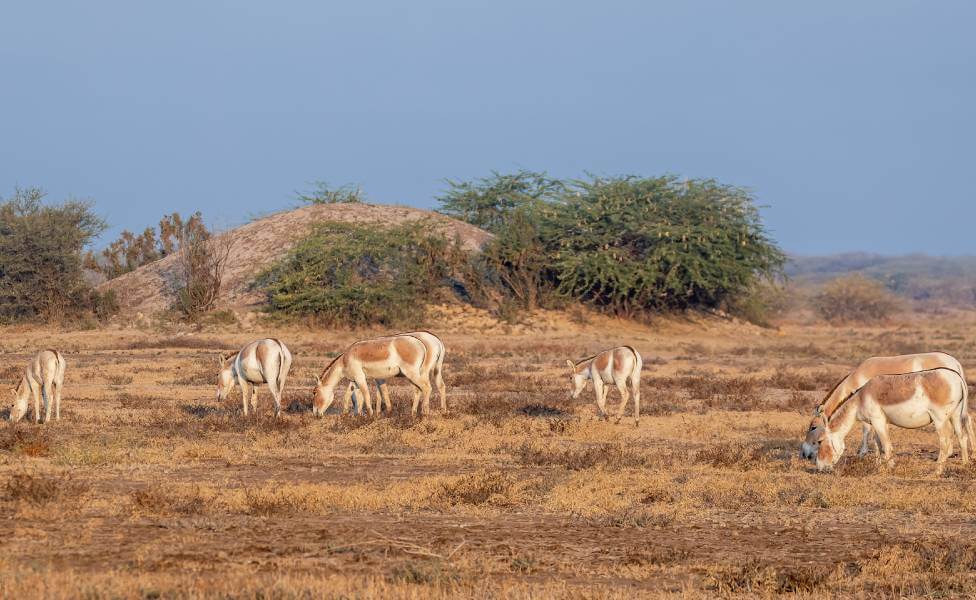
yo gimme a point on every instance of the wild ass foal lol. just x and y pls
(871, 367)
(262, 361)
(379, 358)
(619, 366)
(44, 377)
(434, 365)
(912, 400)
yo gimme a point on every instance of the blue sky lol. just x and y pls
(853, 122)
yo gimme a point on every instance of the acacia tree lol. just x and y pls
(201, 260)
(629, 244)
(41, 256)
(492, 202)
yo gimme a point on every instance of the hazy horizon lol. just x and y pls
(852, 123)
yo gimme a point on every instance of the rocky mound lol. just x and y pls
(256, 245)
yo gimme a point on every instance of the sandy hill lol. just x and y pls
(258, 244)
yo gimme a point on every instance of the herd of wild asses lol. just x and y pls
(909, 391)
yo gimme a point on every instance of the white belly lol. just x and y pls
(910, 415)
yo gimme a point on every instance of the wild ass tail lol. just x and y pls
(279, 384)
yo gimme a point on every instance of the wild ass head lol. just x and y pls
(809, 447)
(225, 378)
(577, 378)
(322, 397)
(21, 395)
(823, 445)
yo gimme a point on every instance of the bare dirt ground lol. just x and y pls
(148, 487)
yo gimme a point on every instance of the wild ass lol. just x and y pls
(871, 367)
(44, 377)
(435, 366)
(913, 400)
(262, 361)
(619, 366)
(379, 358)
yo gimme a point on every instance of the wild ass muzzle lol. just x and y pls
(44, 378)
(380, 358)
(619, 366)
(262, 361)
(872, 367)
(937, 396)
(434, 365)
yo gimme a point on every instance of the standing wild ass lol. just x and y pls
(912, 400)
(262, 361)
(434, 365)
(379, 358)
(44, 377)
(872, 367)
(619, 366)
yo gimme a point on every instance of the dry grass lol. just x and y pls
(149, 488)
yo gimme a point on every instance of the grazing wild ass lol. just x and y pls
(262, 361)
(434, 365)
(912, 400)
(872, 367)
(619, 366)
(380, 358)
(43, 378)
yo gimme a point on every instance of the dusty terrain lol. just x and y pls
(148, 487)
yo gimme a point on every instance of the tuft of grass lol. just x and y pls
(40, 490)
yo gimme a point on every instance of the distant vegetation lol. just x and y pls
(356, 275)
(625, 245)
(928, 281)
(854, 299)
(323, 193)
(628, 246)
(41, 259)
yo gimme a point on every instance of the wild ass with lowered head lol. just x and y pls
(262, 361)
(938, 396)
(380, 358)
(620, 366)
(871, 367)
(435, 366)
(43, 378)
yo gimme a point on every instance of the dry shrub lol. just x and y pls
(788, 379)
(11, 373)
(854, 299)
(119, 379)
(484, 487)
(192, 502)
(196, 375)
(755, 577)
(31, 441)
(733, 456)
(273, 501)
(43, 489)
(427, 573)
(138, 401)
(641, 517)
(577, 459)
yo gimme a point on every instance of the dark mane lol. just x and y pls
(329, 366)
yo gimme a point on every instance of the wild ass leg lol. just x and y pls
(46, 394)
(362, 387)
(441, 388)
(866, 431)
(945, 445)
(624, 399)
(276, 396)
(880, 425)
(384, 391)
(254, 400)
(57, 400)
(601, 398)
(36, 392)
(421, 392)
(245, 394)
(635, 392)
(959, 428)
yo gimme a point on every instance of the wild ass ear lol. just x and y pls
(571, 364)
